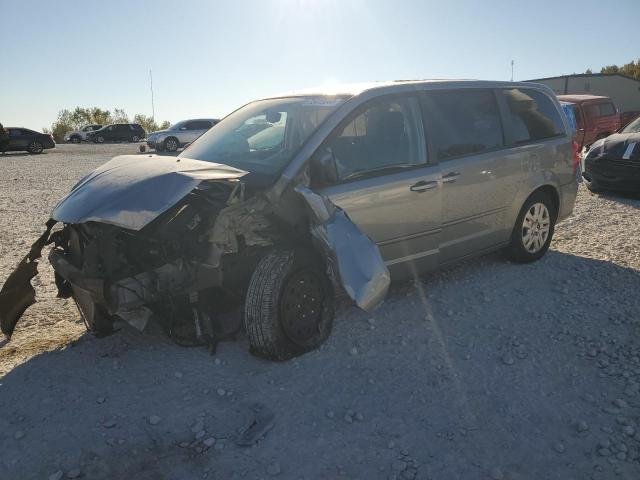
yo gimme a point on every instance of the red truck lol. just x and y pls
(596, 117)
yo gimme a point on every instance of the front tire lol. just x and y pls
(135, 139)
(533, 230)
(35, 147)
(76, 139)
(171, 144)
(99, 139)
(289, 307)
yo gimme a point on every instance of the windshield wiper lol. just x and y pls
(385, 169)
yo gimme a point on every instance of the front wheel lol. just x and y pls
(135, 139)
(533, 230)
(35, 147)
(289, 307)
(99, 139)
(171, 144)
(75, 139)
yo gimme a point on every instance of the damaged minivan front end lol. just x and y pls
(190, 242)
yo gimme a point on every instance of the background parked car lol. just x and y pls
(23, 139)
(614, 162)
(179, 134)
(596, 117)
(78, 136)
(117, 132)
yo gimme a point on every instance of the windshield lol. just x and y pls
(263, 136)
(633, 127)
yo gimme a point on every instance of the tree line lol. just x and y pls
(69, 120)
(631, 69)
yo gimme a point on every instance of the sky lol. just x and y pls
(210, 57)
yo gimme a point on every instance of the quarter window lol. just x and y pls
(463, 122)
(606, 109)
(533, 115)
(385, 136)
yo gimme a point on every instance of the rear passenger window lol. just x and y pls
(386, 136)
(533, 115)
(463, 122)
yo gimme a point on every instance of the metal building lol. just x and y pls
(624, 90)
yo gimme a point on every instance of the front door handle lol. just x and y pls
(450, 177)
(423, 185)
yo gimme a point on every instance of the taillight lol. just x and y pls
(576, 156)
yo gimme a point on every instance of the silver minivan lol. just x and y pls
(294, 200)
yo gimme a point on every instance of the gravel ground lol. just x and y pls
(487, 370)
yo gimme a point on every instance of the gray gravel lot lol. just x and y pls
(487, 370)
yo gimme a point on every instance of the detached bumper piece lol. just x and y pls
(17, 293)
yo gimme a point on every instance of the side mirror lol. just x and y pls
(324, 168)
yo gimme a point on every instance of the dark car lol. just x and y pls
(118, 132)
(614, 162)
(596, 117)
(23, 139)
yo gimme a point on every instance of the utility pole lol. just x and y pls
(153, 108)
(512, 70)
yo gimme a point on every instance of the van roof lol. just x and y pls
(352, 89)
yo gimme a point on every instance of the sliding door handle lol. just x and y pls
(423, 185)
(450, 177)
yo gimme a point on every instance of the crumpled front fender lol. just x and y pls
(353, 257)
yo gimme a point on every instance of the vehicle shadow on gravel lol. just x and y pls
(627, 198)
(21, 154)
(484, 369)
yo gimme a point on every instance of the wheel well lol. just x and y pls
(552, 193)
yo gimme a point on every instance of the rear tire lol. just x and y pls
(289, 307)
(533, 230)
(35, 147)
(135, 139)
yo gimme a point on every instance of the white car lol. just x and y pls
(179, 134)
(78, 136)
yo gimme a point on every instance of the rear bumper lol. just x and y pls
(613, 174)
(568, 195)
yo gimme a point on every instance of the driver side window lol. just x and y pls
(387, 134)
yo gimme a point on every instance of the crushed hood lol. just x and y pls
(132, 190)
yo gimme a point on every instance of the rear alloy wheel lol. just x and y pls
(135, 139)
(171, 144)
(289, 306)
(533, 230)
(35, 147)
